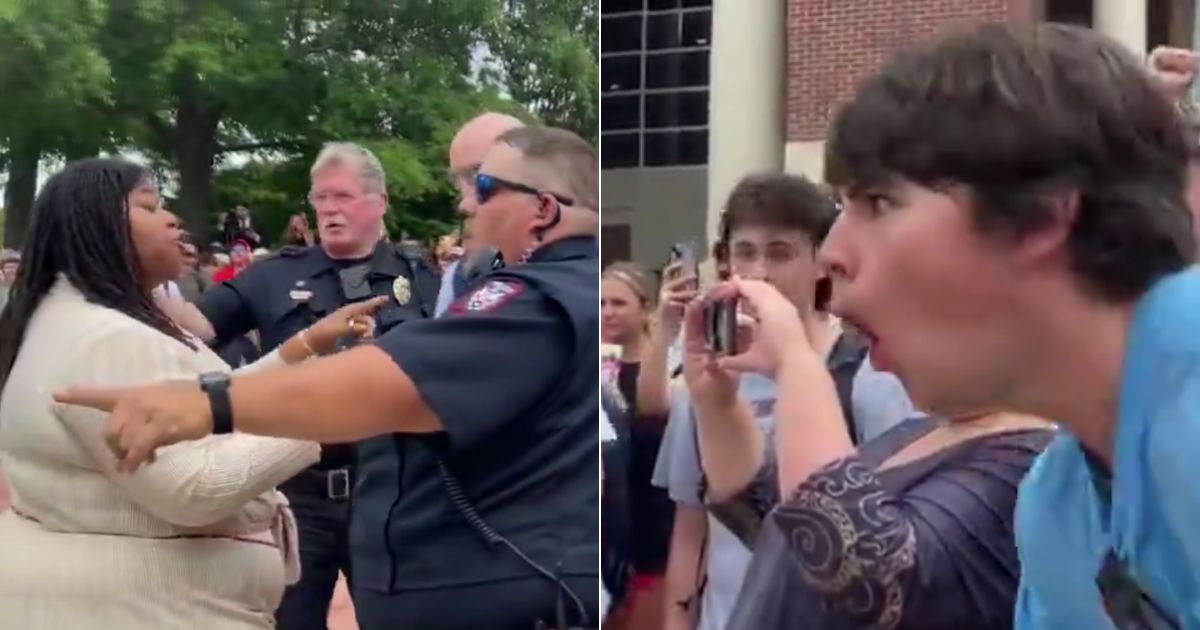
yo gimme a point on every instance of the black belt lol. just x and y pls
(334, 483)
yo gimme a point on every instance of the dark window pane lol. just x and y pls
(659, 5)
(678, 30)
(697, 29)
(677, 69)
(619, 112)
(693, 3)
(662, 31)
(673, 148)
(618, 150)
(620, 6)
(619, 34)
(621, 73)
(677, 109)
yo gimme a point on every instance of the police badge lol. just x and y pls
(402, 290)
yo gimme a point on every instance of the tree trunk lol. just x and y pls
(19, 191)
(195, 148)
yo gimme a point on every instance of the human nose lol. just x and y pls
(752, 267)
(466, 199)
(836, 254)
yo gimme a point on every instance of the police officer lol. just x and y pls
(492, 521)
(283, 295)
(467, 149)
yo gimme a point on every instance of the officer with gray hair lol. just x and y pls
(284, 294)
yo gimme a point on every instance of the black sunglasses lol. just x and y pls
(488, 186)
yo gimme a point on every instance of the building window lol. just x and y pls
(622, 6)
(654, 76)
(617, 244)
(620, 150)
(621, 112)
(621, 33)
(669, 148)
(678, 30)
(622, 73)
(677, 109)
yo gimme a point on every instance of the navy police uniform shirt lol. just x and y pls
(284, 294)
(511, 370)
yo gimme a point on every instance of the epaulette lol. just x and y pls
(410, 252)
(290, 251)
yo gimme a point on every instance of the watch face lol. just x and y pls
(212, 379)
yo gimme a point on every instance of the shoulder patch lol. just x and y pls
(489, 297)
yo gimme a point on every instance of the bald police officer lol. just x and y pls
(283, 295)
(466, 153)
(494, 522)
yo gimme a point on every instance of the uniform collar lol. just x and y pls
(567, 248)
(383, 261)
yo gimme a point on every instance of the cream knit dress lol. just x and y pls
(194, 540)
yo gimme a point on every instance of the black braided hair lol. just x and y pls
(80, 230)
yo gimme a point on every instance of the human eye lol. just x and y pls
(873, 203)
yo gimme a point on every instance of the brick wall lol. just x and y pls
(831, 44)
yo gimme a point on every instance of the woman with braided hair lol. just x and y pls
(200, 538)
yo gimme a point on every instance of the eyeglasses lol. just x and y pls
(463, 176)
(488, 186)
(339, 198)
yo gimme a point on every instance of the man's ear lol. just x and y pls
(1050, 239)
(549, 212)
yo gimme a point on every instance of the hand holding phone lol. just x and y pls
(682, 261)
(680, 286)
(721, 326)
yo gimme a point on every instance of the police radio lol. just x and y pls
(482, 263)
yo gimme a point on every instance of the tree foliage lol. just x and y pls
(233, 98)
(546, 51)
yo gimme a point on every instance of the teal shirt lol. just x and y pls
(1151, 523)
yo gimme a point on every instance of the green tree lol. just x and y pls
(546, 51)
(56, 91)
(196, 80)
(191, 83)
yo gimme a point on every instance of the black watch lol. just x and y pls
(216, 385)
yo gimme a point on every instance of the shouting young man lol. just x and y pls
(1016, 237)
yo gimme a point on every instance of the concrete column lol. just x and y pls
(1123, 20)
(746, 96)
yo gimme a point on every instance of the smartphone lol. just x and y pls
(685, 255)
(720, 331)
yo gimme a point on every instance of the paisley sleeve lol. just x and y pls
(942, 548)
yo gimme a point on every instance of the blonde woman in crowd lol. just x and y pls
(626, 312)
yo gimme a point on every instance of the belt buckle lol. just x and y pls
(337, 483)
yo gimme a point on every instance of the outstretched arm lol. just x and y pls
(425, 376)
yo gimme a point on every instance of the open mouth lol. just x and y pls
(880, 359)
